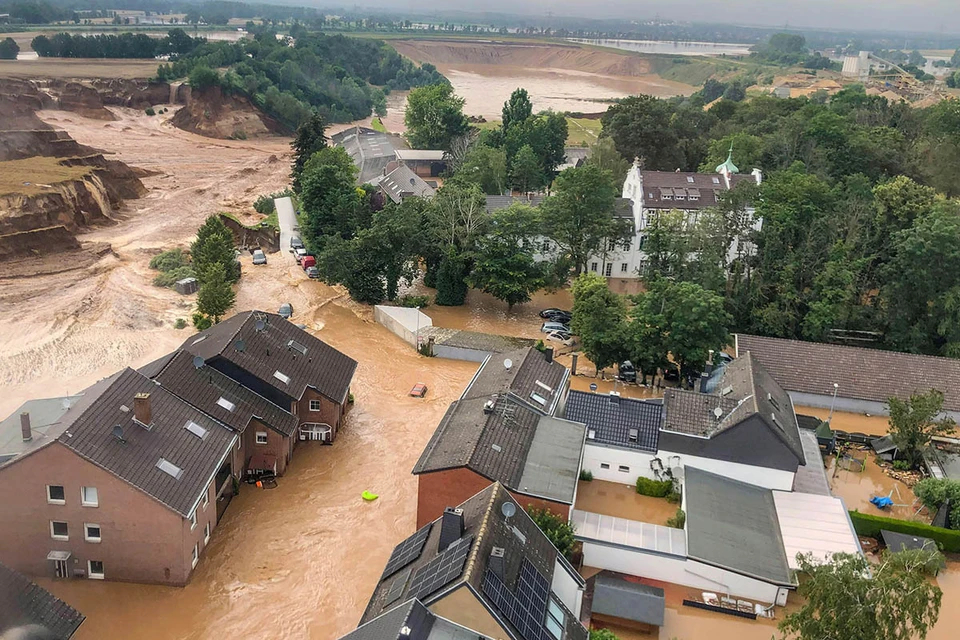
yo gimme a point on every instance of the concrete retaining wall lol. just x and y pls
(402, 322)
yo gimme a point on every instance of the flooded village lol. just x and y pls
(311, 466)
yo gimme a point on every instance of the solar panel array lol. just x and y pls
(407, 551)
(526, 607)
(441, 570)
(396, 587)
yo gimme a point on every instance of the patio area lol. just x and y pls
(857, 487)
(622, 501)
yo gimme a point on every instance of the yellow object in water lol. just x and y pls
(369, 497)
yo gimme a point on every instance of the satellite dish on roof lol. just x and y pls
(260, 325)
(508, 509)
(717, 413)
(507, 364)
(198, 362)
(118, 433)
(241, 345)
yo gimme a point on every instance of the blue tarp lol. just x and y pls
(881, 502)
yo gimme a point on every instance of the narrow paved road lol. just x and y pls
(288, 220)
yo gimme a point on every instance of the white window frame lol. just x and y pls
(317, 404)
(56, 500)
(196, 556)
(593, 267)
(83, 497)
(206, 534)
(265, 438)
(86, 532)
(56, 536)
(623, 468)
(623, 267)
(604, 465)
(91, 574)
(193, 520)
(206, 498)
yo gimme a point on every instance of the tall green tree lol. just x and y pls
(213, 246)
(604, 154)
(852, 599)
(485, 166)
(913, 422)
(694, 322)
(517, 109)
(330, 201)
(526, 172)
(578, 216)
(434, 117)
(641, 128)
(216, 295)
(452, 279)
(504, 264)
(599, 319)
(310, 138)
(9, 49)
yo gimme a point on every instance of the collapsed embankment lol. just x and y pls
(211, 113)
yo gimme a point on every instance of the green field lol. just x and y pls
(581, 132)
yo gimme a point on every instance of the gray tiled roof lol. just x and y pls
(733, 525)
(863, 374)
(90, 434)
(322, 367)
(552, 467)
(528, 367)
(388, 624)
(811, 477)
(203, 387)
(744, 390)
(495, 203)
(45, 423)
(657, 184)
(484, 522)
(612, 422)
(619, 598)
(23, 603)
(370, 150)
(402, 183)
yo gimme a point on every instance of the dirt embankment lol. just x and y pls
(537, 56)
(212, 114)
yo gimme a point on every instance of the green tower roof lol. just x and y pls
(728, 165)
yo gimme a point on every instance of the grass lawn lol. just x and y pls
(580, 131)
(377, 125)
(31, 175)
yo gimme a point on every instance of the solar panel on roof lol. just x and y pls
(396, 587)
(441, 570)
(407, 551)
(526, 606)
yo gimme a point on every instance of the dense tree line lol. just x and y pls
(123, 45)
(9, 49)
(331, 75)
(790, 49)
(859, 232)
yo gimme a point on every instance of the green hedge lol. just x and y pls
(654, 488)
(869, 525)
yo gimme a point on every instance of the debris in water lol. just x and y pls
(369, 497)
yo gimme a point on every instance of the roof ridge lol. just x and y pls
(472, 559)
(850, 347)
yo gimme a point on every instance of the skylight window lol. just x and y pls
(544, 387)
(226, 404)
(169, 468)
(634, 434)
(282, 377)
(726, 391)
(716, 181)
(690, 179)
(296, 346)
(195, 429)
(199, 340)
(591, 434)
(538, 399)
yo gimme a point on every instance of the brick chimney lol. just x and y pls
(25, 429)
(451, 527)
(548, 354)
(142, 412)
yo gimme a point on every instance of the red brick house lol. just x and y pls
(120, 482)
(284, 364)
(502, 429)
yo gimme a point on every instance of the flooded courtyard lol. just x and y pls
(623, 501)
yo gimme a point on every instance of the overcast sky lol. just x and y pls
(895, 15)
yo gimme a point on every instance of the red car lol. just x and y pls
(419, 390)
(307, 262)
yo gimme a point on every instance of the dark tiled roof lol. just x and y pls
(90, 434)
(734, 525)
(703, 186)
(863, 374)
(617, 597)
(402, 183)
(24, 603)
(265, 352)
(528, 367)
(484, 523)
(151, 369)
(612, 422)
(744, 390)
(204, 387)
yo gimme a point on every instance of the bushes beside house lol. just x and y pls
(174, 265)
(870, 525)
(654, 488)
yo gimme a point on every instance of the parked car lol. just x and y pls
(549, 327)
(299, 254)
(419, 390)
(562, 337)
(627, 372)
(313, 272)
(259, 257)
(308, 261)
(296, 242)
(560, 316)
(546, 313)
(286, 310)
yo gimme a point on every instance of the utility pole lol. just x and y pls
(835, 388)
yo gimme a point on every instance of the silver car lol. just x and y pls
(550, 327)
(259, 257)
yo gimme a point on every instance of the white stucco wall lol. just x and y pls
(566, 588)
(638, 463)
(402, 321)
(760, 476)
(677, 570)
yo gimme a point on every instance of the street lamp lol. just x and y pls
(835, 388)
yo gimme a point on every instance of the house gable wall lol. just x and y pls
(463, 607)
(750, 443)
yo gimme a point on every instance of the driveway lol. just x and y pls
(288, 220)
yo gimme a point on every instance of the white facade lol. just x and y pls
(566, 587)
(624, 466)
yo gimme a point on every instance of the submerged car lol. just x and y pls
(562, 337)
(549, 327)
(313, 272)
(259, 257)
(286, 310)
(419, 390)
(627, 372)
(546, 313)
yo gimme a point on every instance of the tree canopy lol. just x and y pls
(913, 422)
(434, 117)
